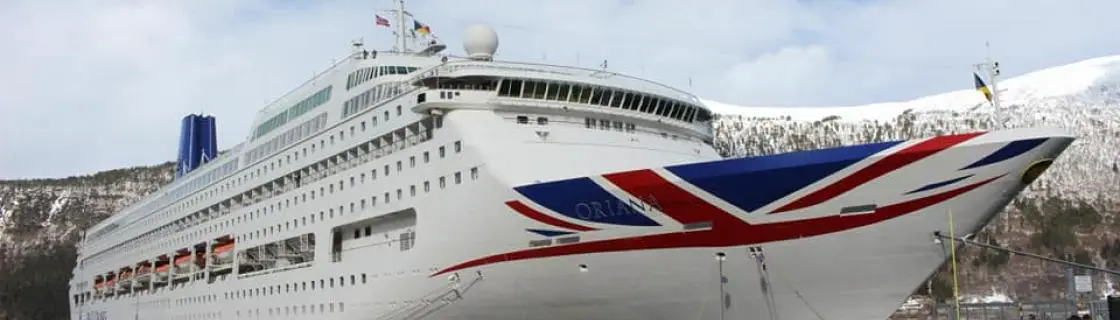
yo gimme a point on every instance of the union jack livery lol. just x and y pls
(410, 184)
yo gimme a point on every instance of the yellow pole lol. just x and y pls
(953, 254)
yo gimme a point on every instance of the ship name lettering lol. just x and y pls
(597, 210)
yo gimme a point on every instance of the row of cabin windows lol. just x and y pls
(293, 135)
(315, 100)
(603, 96)
(604, 124)
(378, 94)
(293, 310)
(159, 247)
(369, 73)
(543, 121)
(296, 287)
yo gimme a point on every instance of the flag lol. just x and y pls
(381, 21)
(421, 28)
(982, 87)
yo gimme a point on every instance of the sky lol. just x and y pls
(90, 85)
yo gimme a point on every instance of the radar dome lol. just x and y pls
(480, 42)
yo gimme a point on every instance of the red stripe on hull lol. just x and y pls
(723, 235)
(879, 168)
(671, 199)
(543, 218)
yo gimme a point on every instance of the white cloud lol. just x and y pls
(91, 85)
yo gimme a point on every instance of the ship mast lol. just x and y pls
(991, 69)
(402, 43)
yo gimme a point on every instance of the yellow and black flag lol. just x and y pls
(982, 87)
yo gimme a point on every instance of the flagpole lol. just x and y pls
(953, 255)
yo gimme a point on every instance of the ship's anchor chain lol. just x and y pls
(937, 237)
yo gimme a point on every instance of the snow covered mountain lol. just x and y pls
(1073, 209)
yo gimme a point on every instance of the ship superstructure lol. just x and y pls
(405, 184)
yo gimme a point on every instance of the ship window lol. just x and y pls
(369, 230)
(616, 99)
(427, 186)
(426, 157)
(399, 166)
(644, 105)
(386, 170)
(504, 89)
(363, 278)
(458, 177)
(412, 161)
(474, 173)
(596, 95)
(412, 190)
(399, 110)
(630, 127)
(628, 101)
(357, 233)
(529, 87)
(400, 194)
(442, 152)
(442, 182)
(584, 95)
(604, 124)
(539, 90)
(458, 146)
(387, 198)
(522, 119)
(542, 121)
(553, 91)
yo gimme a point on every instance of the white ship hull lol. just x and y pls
(472, 258)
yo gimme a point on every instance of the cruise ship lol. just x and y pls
(417, 184)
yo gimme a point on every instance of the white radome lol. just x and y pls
(480, 42)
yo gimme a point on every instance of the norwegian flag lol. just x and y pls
(381, 21)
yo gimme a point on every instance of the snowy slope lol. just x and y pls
(1066, 80)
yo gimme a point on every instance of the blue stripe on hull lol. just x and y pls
(751, 183)
(585, 200)
(939, 184)
(1009, 151)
